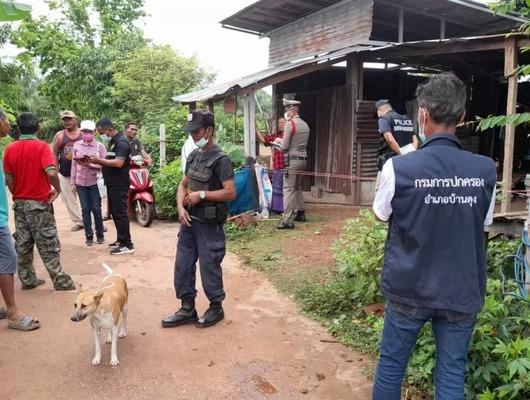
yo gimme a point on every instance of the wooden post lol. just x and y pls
(162, 131)
(249, 107)
(510, 64)
(401, 25)
(210, 105)
(442, 29)
(354, 81)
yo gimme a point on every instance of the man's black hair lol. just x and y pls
(105, 123)
(129, 124)
(28, 122)
(444, 96)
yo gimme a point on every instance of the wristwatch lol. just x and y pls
(202, 194)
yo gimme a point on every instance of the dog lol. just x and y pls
(107, 309)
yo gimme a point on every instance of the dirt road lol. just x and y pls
(264, 349)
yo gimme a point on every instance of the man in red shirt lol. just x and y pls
(278, 166)
(30, 168)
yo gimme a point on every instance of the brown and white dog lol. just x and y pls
(107, 309)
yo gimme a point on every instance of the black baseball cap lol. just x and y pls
(380, 103)
(198, 119)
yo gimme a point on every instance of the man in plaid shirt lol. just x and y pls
(278, 166)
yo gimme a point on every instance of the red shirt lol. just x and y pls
(277, 155)
(26, 160)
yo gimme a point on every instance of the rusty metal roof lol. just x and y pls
(264, 78)
(265, 16)
(287, 71)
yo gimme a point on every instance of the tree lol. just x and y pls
(147, 80)
(522, 7)
(75, 58)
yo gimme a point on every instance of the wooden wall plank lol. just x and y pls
(334, 28)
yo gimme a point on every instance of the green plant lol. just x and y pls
(359, 254)
(499, 355)
(166, 183)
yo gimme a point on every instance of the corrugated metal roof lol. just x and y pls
(267, 15)
(260, 79)
(263, 78)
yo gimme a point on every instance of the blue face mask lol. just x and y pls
(201, 143)
(105, 139)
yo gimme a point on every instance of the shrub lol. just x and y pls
(166, 183)
(359, 254)
(499, 356)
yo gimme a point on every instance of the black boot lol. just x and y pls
(300, 216)
(285, 225)
(213, 315)
(187, 314)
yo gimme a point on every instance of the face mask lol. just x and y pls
(201, 143)
(105, 139)
(421, 127)
(286, 116)
(88, 137)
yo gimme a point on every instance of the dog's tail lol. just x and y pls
(108, 269)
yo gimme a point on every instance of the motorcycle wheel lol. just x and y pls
(147, 213)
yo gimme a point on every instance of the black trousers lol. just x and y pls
(207, 244)
(117, 196)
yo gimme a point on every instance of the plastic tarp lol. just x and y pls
(245, 188)
(11, 11)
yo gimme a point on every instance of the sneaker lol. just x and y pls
(122, 250)
(115, 244)
(89, 242)
(33, 285)
(70, 286)
(100, 240)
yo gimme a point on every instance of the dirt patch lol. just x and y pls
(263, 336)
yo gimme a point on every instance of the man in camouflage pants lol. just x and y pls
(30, 169)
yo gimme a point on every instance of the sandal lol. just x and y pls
(3, 313)
(26, 323)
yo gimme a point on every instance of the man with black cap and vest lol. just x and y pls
(201, 201)
(397, 133)
(294, 147)
(437, 201)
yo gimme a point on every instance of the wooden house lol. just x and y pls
(339, 56)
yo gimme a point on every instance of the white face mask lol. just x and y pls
(421, 125)
(286, 116)
(201, 143)
(104, 139)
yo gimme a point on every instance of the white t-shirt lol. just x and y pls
(187, 149)
(387, 185)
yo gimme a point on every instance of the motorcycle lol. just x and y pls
(141, 196)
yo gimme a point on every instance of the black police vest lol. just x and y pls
(435, 251)
(402, 128)
(199, 170)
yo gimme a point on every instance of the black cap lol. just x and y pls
(380, 103)
(198, 119)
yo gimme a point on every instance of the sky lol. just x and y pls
(192, 28)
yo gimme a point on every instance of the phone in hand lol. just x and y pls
(82, 159)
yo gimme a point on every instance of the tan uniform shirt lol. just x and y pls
(295, 145)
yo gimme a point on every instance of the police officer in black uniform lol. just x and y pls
(201, 200)
(396, 130)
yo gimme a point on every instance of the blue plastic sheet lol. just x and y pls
(245, 192)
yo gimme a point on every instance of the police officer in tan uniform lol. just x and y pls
(294, 147)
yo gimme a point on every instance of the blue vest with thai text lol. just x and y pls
(435, 253)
